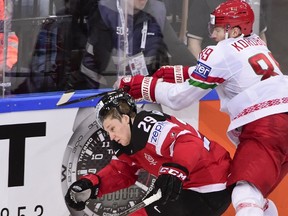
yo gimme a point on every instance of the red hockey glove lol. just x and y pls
(172, 74)
(170, 180)
(139, 86)
(81, 191)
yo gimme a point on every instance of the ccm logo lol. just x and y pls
(174, 172)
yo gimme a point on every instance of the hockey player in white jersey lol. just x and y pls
(253, 92)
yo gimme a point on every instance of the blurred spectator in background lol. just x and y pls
(148, 43)
(276, 33)
(43, 51)
(174, 13)
(197, 26)
(8, 40)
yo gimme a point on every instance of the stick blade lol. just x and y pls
(65, 97)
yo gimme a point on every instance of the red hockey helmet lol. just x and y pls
(233, 13)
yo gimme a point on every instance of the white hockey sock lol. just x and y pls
(247, 200)
(249, 209)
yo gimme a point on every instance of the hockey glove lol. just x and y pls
(170, 181)
(81, 191)
(138, 86)
(172, 74)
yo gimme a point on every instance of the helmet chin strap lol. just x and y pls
(227, 31)
(130, 124)
(226, 35)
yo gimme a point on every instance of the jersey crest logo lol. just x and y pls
(150, 159)
(202, 70)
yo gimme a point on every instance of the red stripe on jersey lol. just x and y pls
(262, 105)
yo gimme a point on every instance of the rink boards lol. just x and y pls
(42, 151)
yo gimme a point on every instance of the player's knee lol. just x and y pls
(247, 199)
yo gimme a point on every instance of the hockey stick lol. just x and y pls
(64, 100)
(143, 203)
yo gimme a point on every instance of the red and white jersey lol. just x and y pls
(244, 73)
(158, 138)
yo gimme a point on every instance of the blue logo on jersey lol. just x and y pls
(202, 70)
(156, 132)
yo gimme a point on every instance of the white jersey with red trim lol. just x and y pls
(158, 138)
(244, 73)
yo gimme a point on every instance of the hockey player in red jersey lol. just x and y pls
(253, 92)
(191, 170)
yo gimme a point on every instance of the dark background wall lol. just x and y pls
(277, 23)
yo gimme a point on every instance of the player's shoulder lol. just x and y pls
(143, 125)
(213, 53)
(244, 41)
(157, 115)
(222, 48)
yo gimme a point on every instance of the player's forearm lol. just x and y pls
(112, 180)
(177, 96)
(112, 183)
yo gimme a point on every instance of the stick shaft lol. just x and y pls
(142, 204)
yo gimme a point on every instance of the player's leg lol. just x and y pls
(247, 199)
(191, 203)
(257, 164)
(270, 208)
(218, 202)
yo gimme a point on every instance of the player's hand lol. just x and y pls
(170, 181)
(172, 74)
(81, 191)
(138, 86)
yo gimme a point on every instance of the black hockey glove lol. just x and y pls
(170, 180)
(81, 191)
